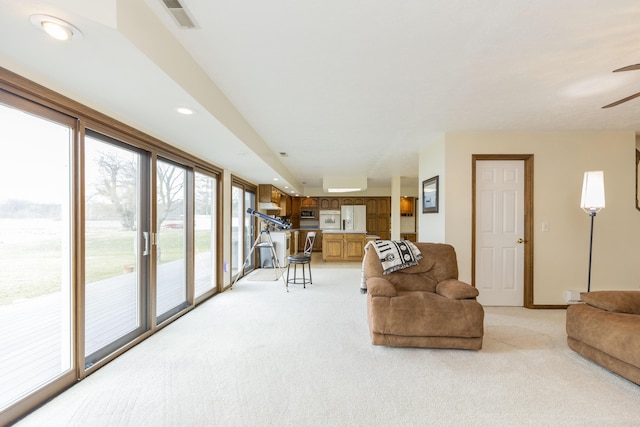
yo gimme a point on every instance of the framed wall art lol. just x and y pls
(430, 195)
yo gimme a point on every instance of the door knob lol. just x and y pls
(520, 240)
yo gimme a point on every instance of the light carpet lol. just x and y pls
(266, 274)
(259, 356)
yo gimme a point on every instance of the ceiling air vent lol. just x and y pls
(180, 14)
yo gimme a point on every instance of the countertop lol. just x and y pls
(343, 232)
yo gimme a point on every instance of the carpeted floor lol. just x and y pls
(258, 356)
(266, 275)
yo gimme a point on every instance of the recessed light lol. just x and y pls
(185, 111)
(55, 27)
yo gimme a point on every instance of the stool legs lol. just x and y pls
(295, 272)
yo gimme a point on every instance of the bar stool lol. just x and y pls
(303, 259)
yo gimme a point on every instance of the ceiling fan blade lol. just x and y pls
(628, 98)
(628, 68)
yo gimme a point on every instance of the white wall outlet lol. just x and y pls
(572, 297)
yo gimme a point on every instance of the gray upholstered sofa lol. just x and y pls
(423, 305)
(605, 329)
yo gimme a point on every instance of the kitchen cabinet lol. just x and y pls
(285, 205)
(343, 246)
(408, 236)
(332, 247)
(309, 202)
(372, 206)
(407, 206)
(379, 216)
(295, 212)
(384, 205)
(353, 247)
(329, 203)
(267, 193)
(378, 210)
(352, 201)
(302, 238)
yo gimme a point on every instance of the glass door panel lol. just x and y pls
(116, 242)
(205, 233)
(35, 253)
(249, 229)
(242, 231)
(171, 245)
(237, 230)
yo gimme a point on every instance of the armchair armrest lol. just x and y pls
(455, 289)
(379, 287)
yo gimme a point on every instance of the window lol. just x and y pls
(205, 237)
(36, 251)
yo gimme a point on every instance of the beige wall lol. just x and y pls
(560, 159)
(431, 226)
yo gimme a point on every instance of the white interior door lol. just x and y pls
(499, 232)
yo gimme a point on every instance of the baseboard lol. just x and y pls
(549, 307)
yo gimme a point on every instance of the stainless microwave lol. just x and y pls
(307, 214)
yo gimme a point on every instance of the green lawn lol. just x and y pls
(31, 266)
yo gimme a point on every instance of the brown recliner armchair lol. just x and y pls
(423, 305)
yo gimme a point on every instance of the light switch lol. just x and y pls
(545, 226)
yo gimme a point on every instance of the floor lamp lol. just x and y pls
(592, 201)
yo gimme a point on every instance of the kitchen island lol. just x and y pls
(343, 245)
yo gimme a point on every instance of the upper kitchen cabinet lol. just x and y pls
(309, 202)
(274, 200)
(308, 209)
(267, 193)
(407, 206)
(329, 203)
(346, 201)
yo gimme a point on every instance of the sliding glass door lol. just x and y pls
(116, 245)
(36, 251)
(173, 223)
(242, 231)
(103, 240)
(205, 234)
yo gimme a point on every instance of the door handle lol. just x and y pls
(520, 240)
(145, 236)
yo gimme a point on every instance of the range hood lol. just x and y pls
(268, 206)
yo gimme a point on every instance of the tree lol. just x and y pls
(170, 190)
(118, 184)
(204, 193)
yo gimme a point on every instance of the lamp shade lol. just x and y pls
(592, 191)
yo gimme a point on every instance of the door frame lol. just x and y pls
(528, 219)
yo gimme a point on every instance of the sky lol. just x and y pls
(35, 164)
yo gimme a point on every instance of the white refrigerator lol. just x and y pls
(354, 218)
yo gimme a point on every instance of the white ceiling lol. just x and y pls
(342, 87)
